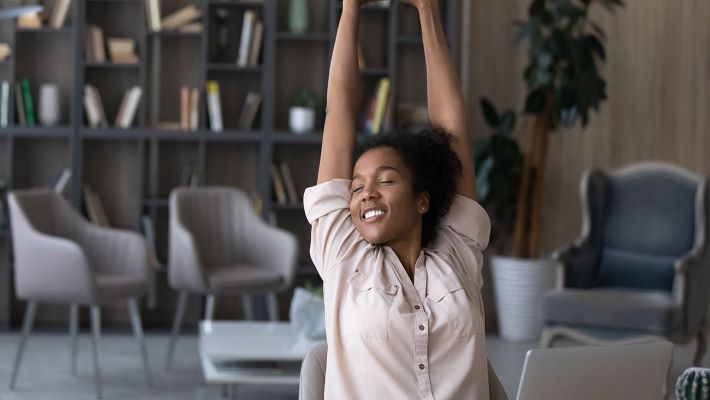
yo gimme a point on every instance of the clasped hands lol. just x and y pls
(416, 3)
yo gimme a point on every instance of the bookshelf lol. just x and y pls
(133, 170)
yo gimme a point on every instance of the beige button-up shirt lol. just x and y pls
(389, 338)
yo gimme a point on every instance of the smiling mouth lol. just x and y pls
(374, 215)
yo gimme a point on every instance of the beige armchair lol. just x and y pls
(219, 246)
(62, 258)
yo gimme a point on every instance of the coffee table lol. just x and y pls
(251, 352)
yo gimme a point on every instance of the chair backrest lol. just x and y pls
(219, 218)
(312, 385)
(43, 210)
(648, 217)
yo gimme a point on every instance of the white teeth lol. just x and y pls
(373, 213)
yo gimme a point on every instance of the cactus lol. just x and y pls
(693, 384)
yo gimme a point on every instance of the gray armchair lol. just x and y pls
(220, 246)
(642, 265)
(312, 382)
(62, 258)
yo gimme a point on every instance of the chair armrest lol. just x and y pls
(273, 248)
(116, 251)
(53, 269)
(185, 264)
(577, 264)
(691, 287)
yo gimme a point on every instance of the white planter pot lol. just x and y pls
(49, 105)
(301, 119)
(519, 285)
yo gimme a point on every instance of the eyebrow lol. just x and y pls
(379, 169)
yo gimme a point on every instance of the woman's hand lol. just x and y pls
(419, 3)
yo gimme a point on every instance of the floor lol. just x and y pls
(45, 372)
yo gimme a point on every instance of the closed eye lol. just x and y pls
(357, 189)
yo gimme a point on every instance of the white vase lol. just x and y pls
(519, 285)
(301, 119)
(49, 104)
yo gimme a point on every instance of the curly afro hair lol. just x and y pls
(434, 166)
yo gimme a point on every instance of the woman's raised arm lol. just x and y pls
(445, 100)
(343, 99)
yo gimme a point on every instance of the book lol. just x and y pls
(95, 50)
(193, 27)
(288, 182)
(20, 105)
(4, 103)
(184, 108)
(279, 190)
(245, 39)
(122, 50)
(152, 8)
(214, 106)
(148, 229)
(62, 180)
(27, 98)
(382, 94)
(29, 20)
(186, 175)
(256, 44)
(59, 13)
(129, 112)
(5, 51)
(95, 115)
(94, 208)
(249, 110)
(194, 109)
(181, 17)
(361, 64)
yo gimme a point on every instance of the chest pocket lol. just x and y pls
(366, 309)
(447, 296)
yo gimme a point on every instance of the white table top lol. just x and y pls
(226, 347)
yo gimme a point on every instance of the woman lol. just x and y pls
(397, 238)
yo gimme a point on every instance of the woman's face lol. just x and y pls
(384, 206)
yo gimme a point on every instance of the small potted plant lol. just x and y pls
(302, 115)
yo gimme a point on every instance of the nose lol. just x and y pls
(369, 192)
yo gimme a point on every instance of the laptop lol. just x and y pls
(624, 372)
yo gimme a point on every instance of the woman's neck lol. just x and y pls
(408, 253)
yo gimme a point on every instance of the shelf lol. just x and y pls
(241, 3)
(287, 207)
(410, 40)
(138, 134)
(45, 29)
(304, 37)
(115, 1)
(214, 66)
(293, 138)
(112, 65)
(370, 7)
(175, 34)
(156, 202)
(375, 72)
(233, 135)
(40, 131)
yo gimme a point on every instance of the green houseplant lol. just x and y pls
(563, 87)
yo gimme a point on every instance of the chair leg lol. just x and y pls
(246, 306)
(701, 348)
(209, 307)
(177, 323)
(96, 335)
(138, 331)
(273, 306)
(29, 319)
(73, 334)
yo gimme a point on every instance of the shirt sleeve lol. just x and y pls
(333, 233)
(463, 235)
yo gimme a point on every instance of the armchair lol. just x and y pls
(641, 268)
(62, 258)
(219, 246)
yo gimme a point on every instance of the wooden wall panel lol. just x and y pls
(658, 72)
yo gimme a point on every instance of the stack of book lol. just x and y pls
(183, 20)
(24, 103)
(94, 44)
(249, 111)
(214, 106)
(95, 115)
(4, 104)
(94, 207)
(30, 20)
(127, 111)
(379, 111)
(59, 13)
(189, 108)
(284, 188)
(122, 51)
(5, 51)
(250, 41)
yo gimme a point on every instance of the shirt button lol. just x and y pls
(421, 366)
(416, 307)
(421, 327)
